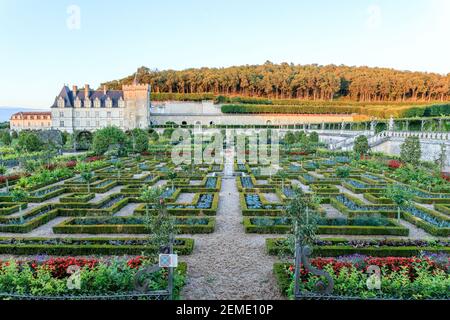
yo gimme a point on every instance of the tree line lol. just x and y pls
(290, 81)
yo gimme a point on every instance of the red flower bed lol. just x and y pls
(391, 264)
(58, 266)
(71, 164)
(95, 158)
(10, 178)
(145, 153)
(445, 176)
(394, 164)
(135, 262)
(50, 166)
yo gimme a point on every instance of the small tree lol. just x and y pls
(304, 219)
(29, 142)
(5, 137)
(301, 209)
(410, 151)
(400, 196)
(154, 136)
(361, 146)
(343, 171)
(119, 165)
(139, 139)
(171, 174)
(3, 171)
(289, 138)
(86, 174)
(19, 195)
(104, 138)
(442, 159)
(161, 226)
(137, 158)
(314, 137)
(282, 174)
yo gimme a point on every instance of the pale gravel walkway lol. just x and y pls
(229, 264)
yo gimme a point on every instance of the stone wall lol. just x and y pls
(207, 113)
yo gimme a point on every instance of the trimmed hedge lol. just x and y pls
(273, 247)
(7, 208)
(66, 227)
(91, 249)
(355, 213)
(394, 229)
(289, 109)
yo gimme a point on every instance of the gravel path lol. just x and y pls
(332, 212)
(230, 264)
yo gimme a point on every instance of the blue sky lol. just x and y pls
(40, 51)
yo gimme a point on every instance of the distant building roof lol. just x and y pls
(31, 113)
(70, 97)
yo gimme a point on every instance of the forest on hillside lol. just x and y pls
(305, 82)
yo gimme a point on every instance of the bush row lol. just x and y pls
(394, 230)
(91, 249)
(274, 247)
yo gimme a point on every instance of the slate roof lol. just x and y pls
(69, 97)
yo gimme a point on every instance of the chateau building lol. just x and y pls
(89, 110)
(30, 121)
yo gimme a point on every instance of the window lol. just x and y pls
(77, 114)
(97, 114)
(42, 124)
(61, 114)
(87, 103)
(61, 103)
(121, 114)
(108, 114)
(77, 123)
(97, 124)
(88, 123)
(97, 103)
(61, 123)
(109, 103)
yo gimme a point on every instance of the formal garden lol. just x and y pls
(367, 225)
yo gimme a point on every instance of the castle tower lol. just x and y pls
(137, 109)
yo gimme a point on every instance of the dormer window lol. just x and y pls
(61, 103)
(77, 103)
(97, 103)
(109, 102)
(87, 103)
(121, 103)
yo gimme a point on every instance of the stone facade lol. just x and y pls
(89, 110)
(206, 113)
(30, 121)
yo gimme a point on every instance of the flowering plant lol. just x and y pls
(394, 164)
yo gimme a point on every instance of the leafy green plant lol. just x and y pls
(400, 196)
(171, 174)
(86, 173)
(161, 226)
(410, 151)
(19, 195)
(361, 146)
(343, 171)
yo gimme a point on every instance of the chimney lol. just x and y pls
(86, 91)
(104, 89)
(74, 90)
